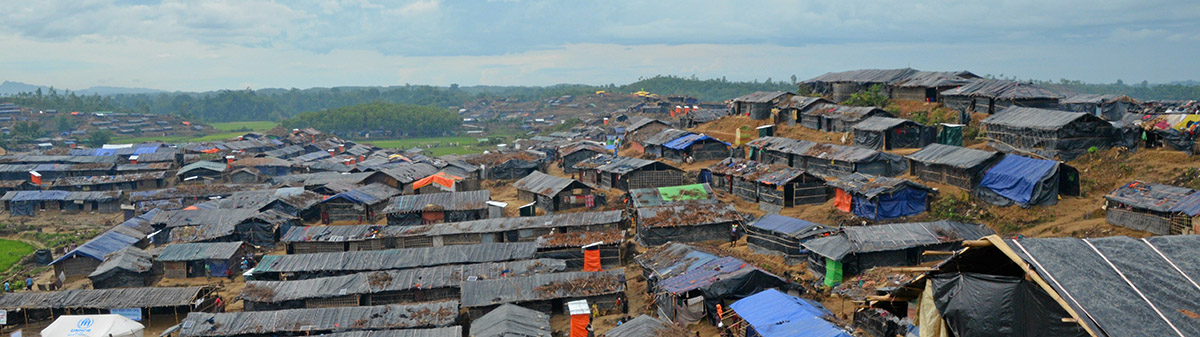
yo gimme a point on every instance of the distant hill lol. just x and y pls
(9, 88)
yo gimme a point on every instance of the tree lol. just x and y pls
(872, 97)
(27, 131)
(64, 123)
(98, 138)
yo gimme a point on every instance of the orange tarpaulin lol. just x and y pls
(191, 208)
(441, 178)
(842, 200)
(579, 325)
(591, 259)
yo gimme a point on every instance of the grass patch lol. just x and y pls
(404, 144)
(245, 126)
(11, 251)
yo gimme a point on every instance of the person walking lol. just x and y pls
(29, 283)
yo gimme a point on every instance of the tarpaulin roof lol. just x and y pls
(449, 276)
(1096, 99)
(624, 165)
(572, 285)
(865, 76)
(321, 178)
(258, 199)
(672, 259)
(582, 146)
(870, 186)
(1189, 205)
(715, 271)
(760, 96)
(55, 195)
(643, 121)
(845, 112)
(1150, 196)
(200, 165)
(1034, 118)
(453, 201)
(950, 155)
(295, 321)
(510, 320)
(199, 251)
(151, 297)
(662, 196)
(580, 219)
(1015, 177)
(129, 258)
(786, 225)
(1123, 286)
(443, 179)
(644, 326)
(545, 184)
(687, 215)
(707, 115)
(114, 239)
(933, 79)
(775, 314)
(396, 258)
(1002, 89)
(665, 136)
(865, 239)
(193, 191)
(687, 140)
(408, 173)
(880, 123)
(340, 233)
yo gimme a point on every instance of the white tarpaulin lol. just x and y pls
(93, 326)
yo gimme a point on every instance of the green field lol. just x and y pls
(243, 126)
(12, 251)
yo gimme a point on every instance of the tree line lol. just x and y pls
(380, 119)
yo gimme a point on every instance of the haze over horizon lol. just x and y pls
(201, 46)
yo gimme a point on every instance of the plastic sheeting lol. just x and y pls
(842, 200)
(992, 305)
(1024, 180)
(774, 314)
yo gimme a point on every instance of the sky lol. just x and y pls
(215, 44)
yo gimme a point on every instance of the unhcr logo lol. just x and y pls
(85, 323)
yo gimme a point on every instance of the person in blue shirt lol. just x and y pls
(29, 283)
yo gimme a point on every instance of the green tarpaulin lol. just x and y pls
(951, 134)
(833, 272)
(683, 192)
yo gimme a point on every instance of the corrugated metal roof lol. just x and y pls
(450, 276)
(541, 287)
(199, 251)
(545, 184)
(950, 155)
(1034, 118)
(296, 321)
(865, 239)
(151, 297)
(394, 259)
(452, 201)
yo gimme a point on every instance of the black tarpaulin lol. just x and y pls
(992, 305)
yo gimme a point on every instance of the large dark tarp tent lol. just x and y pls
(1027, 182)
(886, 133)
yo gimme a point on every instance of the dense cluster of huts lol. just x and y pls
(338, 238)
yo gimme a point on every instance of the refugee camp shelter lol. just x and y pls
(305, 266)
(859, 248)
(294, 201)
(684, 146)
(669, 260)
(227, 225)
(760, 105)
(1027, 182)
(625, 173)
(782, 235)
(107, 182)
(1111, 107)
(295, 322)
(84, 259)
(437, 207)
(904, 83)
(442, 182)
(546, 293)
(94, 326)
(1111, 286)
(690, 222)
(771, 313)
(511, 320)
(504, 229)
(826, 160)
(362, 204)
(592, 250)
(201, 170)
(886, 133)
(209, 259)
(794, 111)
(776, 185)
(340, 238)
(553, 194)
(245, 175)
(428, 284)
(28, 203)
(642, 128)
(1048, 133)
(839, 118)
(694, 294)
(880, 198)
(152, 303)
(671, 195)
(952, 165)
(1155, 208)
(644, 325)
(700, 116)
(573, 153)
(991, 96)
(268, 166)
(128, 267)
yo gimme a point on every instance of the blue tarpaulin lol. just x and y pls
(1015, 177)
(685, 141)
(109, 241)
(774, 314)
(355, 196)
(145, 150)
(1189, 205)
(902, 203)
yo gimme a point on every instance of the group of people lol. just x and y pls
(8, 286)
